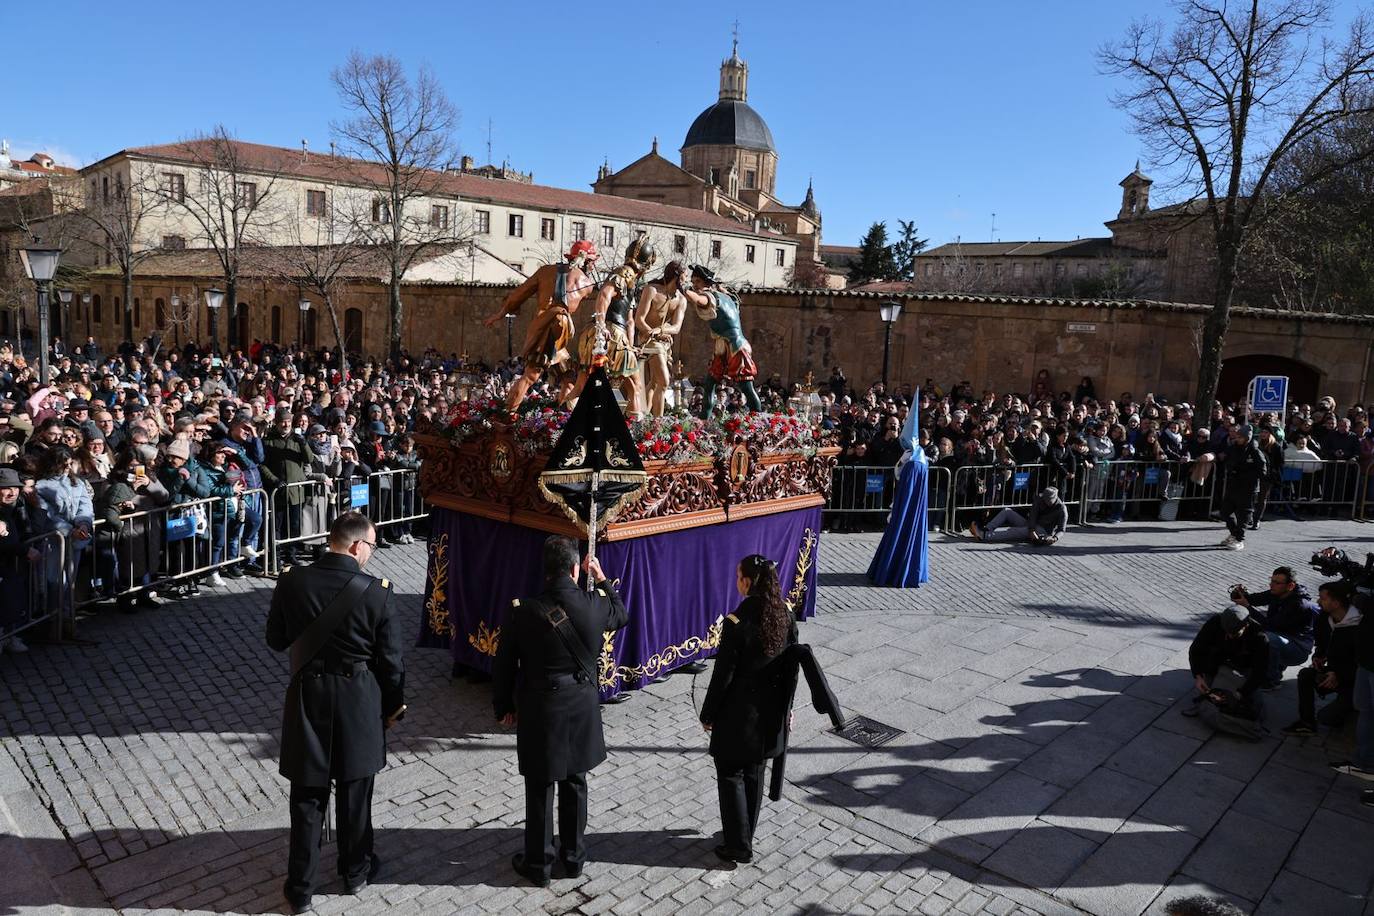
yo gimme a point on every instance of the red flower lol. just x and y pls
(661, 447)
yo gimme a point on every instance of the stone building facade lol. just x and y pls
(996, 342)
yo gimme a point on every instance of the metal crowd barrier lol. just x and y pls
(864, 490)
(33, 584)
(980, 489)
(1332, 487)
(1113, 486)
(163, 546)
(388, 498)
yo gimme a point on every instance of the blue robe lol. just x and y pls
(903, 558)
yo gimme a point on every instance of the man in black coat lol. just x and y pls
(1232, 639)
(1243, 468)
(345, 694)
(554, 642)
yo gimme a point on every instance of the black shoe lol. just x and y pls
(571, 869)
(1367, 798)
(252, 569)
(384, 544)
(233, 572)
(691, 668)
(726, 854)
(299, 904)
(532, 875)
(1299, 729)
(372, 870)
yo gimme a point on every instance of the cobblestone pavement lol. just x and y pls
(1044, 766)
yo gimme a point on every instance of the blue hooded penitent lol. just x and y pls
(903, 559)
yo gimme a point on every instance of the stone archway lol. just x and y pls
(1304, 381)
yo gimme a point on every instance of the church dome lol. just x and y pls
(730, 122)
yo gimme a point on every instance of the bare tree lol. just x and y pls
(231, 203)
(400, 135)
(115, 224)
(1223, 99)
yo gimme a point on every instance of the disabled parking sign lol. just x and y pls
(1269, 393)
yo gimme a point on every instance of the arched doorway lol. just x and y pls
(353, 331)
(242, 330)
(1304, 382)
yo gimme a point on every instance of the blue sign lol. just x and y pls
(1020, 480)
(874, 483)
(357, 495)
(1152, 475)
(1269, 393)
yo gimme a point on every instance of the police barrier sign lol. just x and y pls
(874, 483)
(1269, 393)
(357, 495)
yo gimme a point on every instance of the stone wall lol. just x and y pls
(997, 343)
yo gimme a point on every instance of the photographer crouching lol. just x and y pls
(1285, 613)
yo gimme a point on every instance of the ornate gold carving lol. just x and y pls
(740, 464)
(611, 674)
(798, 591)
(436, 605)
(614, 456)
(606, 676)
(577, 454)
(673, 492)
(502, 462)
(485, 640)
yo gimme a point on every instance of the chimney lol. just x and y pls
(466, 164)
(305, 149)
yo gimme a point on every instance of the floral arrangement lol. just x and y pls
(466, 419)
(539, 427)
(775, 432)
(675, 438)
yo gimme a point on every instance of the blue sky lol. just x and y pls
(943, 113)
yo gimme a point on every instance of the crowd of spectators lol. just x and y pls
(105, 454)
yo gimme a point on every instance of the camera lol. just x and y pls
(1359, 577)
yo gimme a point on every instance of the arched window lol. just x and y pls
(276, 324)
(308, 335)
(138, 313)
(160, 313)
(118, 312)
(95, 308)
(353, 330)
(243, 330)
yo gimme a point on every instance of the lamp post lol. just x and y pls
(176, 316)
(300, 331)
(214, 298)
(40, 264)
(86, 305)
(510, 336)
(66, 330)
(889, 311)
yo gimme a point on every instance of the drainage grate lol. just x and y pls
(868, 732)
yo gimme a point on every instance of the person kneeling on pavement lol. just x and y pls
(1334, 663)
(1286, 620)
(1232, 639)
(1048, 519)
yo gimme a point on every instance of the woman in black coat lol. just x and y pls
(746, 705)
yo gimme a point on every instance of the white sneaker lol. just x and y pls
(1230, 539)
(213, 581)
(1236, 545)
(249, 552)
(410, 539)
(17, 645)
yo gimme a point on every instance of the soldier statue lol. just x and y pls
(553, 642)
(347, 677)
(613, 332)
(662, 308)
(732, 358)
(558, 289)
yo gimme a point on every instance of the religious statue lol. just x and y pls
(662, 308)
(609, 341)
(558, 289)
(732, 358)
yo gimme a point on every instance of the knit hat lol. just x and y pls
(179, 448)
(1234, 617)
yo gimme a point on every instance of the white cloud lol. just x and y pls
(21, 149)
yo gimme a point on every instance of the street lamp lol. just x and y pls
(214, 298)
(66, 330)
(890, 311)
(510, 338)
(40, 264)
(300, 333)
(176, 316)
(86, 306)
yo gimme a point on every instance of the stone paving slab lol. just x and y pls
(1045, 767)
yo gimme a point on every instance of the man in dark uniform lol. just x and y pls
(345, 690)
(554, 642)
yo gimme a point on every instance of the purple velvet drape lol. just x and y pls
(676, 585)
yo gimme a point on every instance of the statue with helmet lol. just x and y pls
(732, 358)
(609, 341)
(558, 290)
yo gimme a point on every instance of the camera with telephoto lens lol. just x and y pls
(1359, 576)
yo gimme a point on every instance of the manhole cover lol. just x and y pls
(867, 732)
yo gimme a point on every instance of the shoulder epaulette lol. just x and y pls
(732, 618)
(386, 583)
(601, 592)
(515, 603)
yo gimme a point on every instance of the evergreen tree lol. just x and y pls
(905, 249)
(875, 257)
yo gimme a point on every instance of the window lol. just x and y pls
(546, 229)
(308, 328)
(353, 330)
(381, 211)
(247, 194)
(997, 270)
(1017, 270)
(780, 257)
(138, 312)
(1082, 270)
(483, 221)
(315, 203)
(119, 187)
(715, 248)
(608, 235)
(1059, 269)
(713, 176)
(276, 324)
(679, 244)
(515, 226)
(438, 216)
(748, 252)
(579, 231)
(930, 270)
(95, 307)
(174, 242)
(105, 188)
(160, 312)
(750, 178)
(176, 186)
